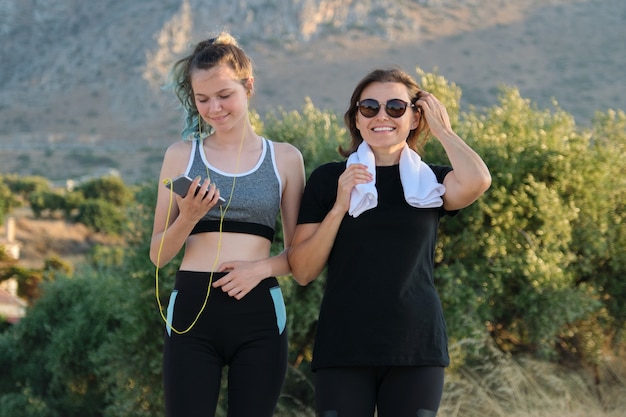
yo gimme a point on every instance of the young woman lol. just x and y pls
(226, 308)
(381, 339)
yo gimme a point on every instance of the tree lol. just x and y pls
(101, 216)
(90, 346)
(110, 188)
(8, 201)
(316, 133)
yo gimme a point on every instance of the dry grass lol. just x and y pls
(525, 388)
(43, 238)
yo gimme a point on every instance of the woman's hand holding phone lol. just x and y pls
(182, 184)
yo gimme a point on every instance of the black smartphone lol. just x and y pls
(180, 185)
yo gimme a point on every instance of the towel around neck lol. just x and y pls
(419, 182)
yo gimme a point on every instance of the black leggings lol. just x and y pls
(247, 335)
(396, 391)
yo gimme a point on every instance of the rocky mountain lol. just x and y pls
(71, 64)
(79, 71)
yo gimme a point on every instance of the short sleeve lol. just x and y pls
(440, 172)
(320, 192)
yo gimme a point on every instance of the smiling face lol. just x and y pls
(384, 134)
(220, 97)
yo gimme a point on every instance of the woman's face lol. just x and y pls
(381, 131)
(221, 98)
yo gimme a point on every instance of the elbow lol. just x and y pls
(302, 279)
(154, 258)
(480, 182)
(486, 181)
(300, 272)
(154, 261)
(480, 186)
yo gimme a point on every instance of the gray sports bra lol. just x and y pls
(256, 195)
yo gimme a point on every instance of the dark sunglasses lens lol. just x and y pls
(395, 108)
(369, 108)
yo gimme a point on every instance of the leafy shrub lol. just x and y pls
(316, 133)
(101, 216)
(110, 188)
(46, 200)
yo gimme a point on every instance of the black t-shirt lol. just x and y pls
(380, 305)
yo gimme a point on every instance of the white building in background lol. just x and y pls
(12, 308)
(9, 242)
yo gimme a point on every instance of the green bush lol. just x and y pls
(110, 188)
(9, 200)
(23, 186)
(101, 216)
(55, 346)
(46, 200)
(316, 133)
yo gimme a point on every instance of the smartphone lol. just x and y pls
(180, 185)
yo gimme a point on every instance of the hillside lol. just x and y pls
(80, 82)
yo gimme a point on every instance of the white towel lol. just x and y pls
(363, 196)
(420, 185)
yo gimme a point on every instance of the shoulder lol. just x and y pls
(175, 159)
(329, 169)
(178, 149)
(320, 191)
(285, 150)
(325, 174)
(287, 155)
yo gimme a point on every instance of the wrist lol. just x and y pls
(337, 211)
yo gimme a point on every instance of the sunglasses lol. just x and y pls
(394, 108)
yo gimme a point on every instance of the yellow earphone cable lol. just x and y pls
(219, 245)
